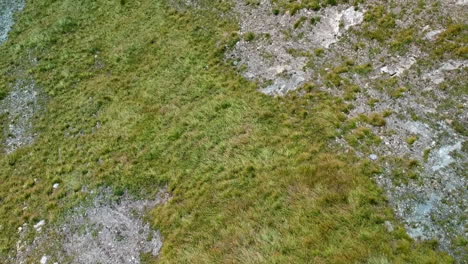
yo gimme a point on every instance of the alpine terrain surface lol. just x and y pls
(233, 131)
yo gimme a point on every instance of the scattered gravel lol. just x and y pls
(107, 231)
(23, 101)
(8, 8)
(21, 106)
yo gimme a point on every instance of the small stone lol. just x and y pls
(389, 226)
(432, 35)
(373, 157)
(39, 225)
(44, 259)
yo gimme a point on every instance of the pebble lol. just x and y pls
(373, 157)
(39, 225)
(389, 226)
(44, 259)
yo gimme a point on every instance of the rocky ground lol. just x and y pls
(408, 111)
(7, 10)
(20, 108)
(107, 229)
(415, 105)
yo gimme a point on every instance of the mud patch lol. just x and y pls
(109, 230)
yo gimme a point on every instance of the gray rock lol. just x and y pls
(106, 231)
(438, 76)
(432, 35)
(389, 226)
(442, 157)
(399, 67)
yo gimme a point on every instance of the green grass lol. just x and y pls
(293, 6)
(139, 96)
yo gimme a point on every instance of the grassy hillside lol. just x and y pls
(139, 96)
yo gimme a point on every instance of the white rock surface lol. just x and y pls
(44, 260)
(442, 158)
(438, 76)
(400, 67)
(39, 225)
(432, 35)
(328, 30)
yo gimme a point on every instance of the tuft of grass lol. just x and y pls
(351, 92)
(426, 154)
(249, 36)
(411, 140)
(363, 69)
(398, 92)
(299, 22)
(451, 43)
(319, 52)
(378, 23)
(315, 20)
(376, 119)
